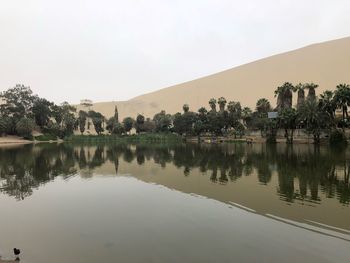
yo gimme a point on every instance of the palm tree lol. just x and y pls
(314, 118)
(342, 98)
(186, 108)
(301, 94)
(222, 103)
(263, 106)
(327, 103)
(312, 93)
(284, 96)
(212, 104)
(202, 111)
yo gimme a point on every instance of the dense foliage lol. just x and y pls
(21, 112)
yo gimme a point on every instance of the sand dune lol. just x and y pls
(326, 64)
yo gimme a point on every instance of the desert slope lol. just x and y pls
(326, 64)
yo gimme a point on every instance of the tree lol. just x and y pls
(82, 120)
(312, 92)
(222, 103)
(42, 111)
(112, 126)
(24, 127)
(247, 116)
(57, 113)
(300, 88)
(328, 104)
(314, 118)
(18, 102)
(186, 108)
(66, 114)
(288, 121)
(284, 95)
(140, 120)
(97, 120)
(212, 104)
(128, 123)
(183, 123)
(162, 121)
(342, 98)
(6, 125)
(263, 106)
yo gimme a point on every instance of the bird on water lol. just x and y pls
(17, 251)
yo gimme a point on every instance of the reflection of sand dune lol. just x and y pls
(327, 64)
(246, 191)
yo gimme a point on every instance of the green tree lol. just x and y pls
(139, 124)
(128, 123)
(24, 127)
(6, 125)
(18, 102)
(300, 88)
(82, 117)
(186, 108)
(342, 98)
(314, 118)
(212, 104)
(328, 104)
(312, 92)
(263, 106)
(162, 121)
(42, 111)
(288, 121)
(97, 120)
(222, 103)
(284, 95)
(247, 116)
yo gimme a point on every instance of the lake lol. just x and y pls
(175, 203)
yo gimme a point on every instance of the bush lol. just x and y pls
(24, 127)
(337, 137)
(46, 137)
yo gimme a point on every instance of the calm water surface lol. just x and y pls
(175, 203)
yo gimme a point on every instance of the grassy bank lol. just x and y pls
(149, 137)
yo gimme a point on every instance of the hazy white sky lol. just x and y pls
(114, 50)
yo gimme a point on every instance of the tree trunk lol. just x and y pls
(301, 97)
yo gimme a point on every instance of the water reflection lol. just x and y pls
(303, 171)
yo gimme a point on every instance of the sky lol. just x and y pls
(113, 50)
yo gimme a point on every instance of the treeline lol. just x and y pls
(21, 112)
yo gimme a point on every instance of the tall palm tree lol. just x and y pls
(235, 109)
(222, 103)
(327, 103)
(212, 104)
(202, 111)
(186, 108)
(342, 98)
(284, 95)
(301, 94)
(312, 92)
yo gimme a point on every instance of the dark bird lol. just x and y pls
(17, 251)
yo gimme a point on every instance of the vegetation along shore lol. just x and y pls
(315, 119)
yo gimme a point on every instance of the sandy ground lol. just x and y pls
(327, 64)
(12, 140)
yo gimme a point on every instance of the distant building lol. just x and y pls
(86, 103)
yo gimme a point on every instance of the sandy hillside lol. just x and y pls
(326, 64)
